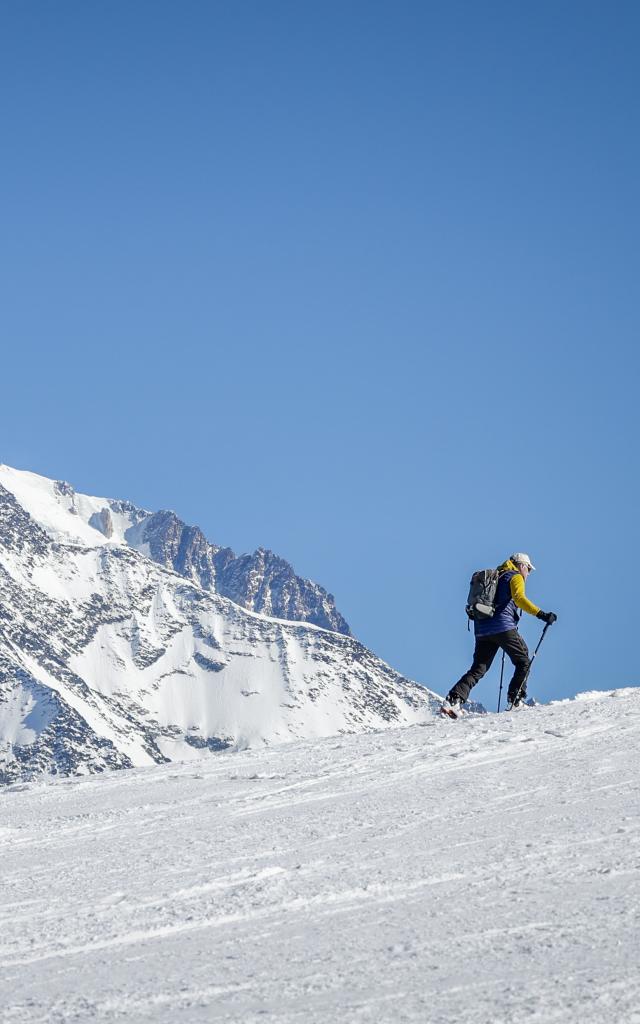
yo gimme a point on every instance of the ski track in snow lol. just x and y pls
(478, 871)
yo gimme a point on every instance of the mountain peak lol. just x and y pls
(261, 582)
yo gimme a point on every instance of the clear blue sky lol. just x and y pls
(354, 281)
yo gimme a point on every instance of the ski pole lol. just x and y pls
(501, 677)
(524, 681)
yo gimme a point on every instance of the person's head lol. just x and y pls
(522, 563)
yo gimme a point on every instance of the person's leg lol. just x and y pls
(483, 655)
(518, 652)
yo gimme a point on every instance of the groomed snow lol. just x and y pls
(479, 871)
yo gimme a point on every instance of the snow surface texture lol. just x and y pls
(111, 660)
(474, 872)
(261, 582)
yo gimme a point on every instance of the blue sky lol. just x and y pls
(353, 281)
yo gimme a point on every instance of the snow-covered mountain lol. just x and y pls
(479, 872)
(261, 582)
(116, 649)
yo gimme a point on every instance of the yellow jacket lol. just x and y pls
(516, 584)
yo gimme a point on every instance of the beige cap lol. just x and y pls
(520, 558)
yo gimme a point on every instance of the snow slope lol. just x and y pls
(65, 515)
(476, 872)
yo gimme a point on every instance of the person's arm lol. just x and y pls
(517, 592)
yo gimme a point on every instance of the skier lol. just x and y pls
(501, 632)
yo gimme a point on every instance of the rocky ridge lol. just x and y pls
(262, 581)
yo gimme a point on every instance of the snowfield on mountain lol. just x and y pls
(118, 650)
(478, 871)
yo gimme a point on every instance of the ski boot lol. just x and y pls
(451, 708)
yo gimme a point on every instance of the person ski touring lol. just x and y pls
(499, 631)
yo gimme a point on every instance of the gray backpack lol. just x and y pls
(481, 602)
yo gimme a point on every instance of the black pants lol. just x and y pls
(486, 649)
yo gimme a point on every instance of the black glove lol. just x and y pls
(548, 617)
